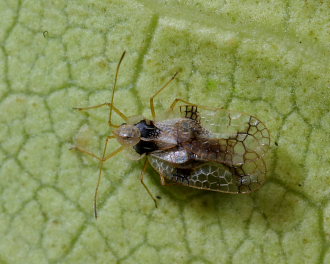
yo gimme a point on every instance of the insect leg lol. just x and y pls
(104, 158)
(144, 185)
(163, 181)
(101, 159)
(152, 107)
(123, 116)
(179, 100)
(90, 153)
(188, 103)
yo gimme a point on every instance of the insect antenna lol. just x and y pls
(104, 158)
(114, 88)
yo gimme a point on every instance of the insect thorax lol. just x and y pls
(149, 132)
(166, 134)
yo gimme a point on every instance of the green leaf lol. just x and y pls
(267, 58)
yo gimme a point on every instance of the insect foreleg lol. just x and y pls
(90, 153)
(104, 158)
(123, 116)
(145, 166)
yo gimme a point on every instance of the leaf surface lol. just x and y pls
(270, 59)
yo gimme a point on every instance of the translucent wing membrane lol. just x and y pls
(213, 176)
(240, 132)
(217, 150)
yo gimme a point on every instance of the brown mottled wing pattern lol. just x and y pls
(228, 148)
(191, 112)
(213, 176)
(231, 138)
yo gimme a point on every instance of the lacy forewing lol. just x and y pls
(225, 153)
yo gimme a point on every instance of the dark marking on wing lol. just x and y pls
(181, 175)
(191, 112)
(224, 151)
(213, 176)
(248, 130)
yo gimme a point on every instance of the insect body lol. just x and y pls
(197, 146)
